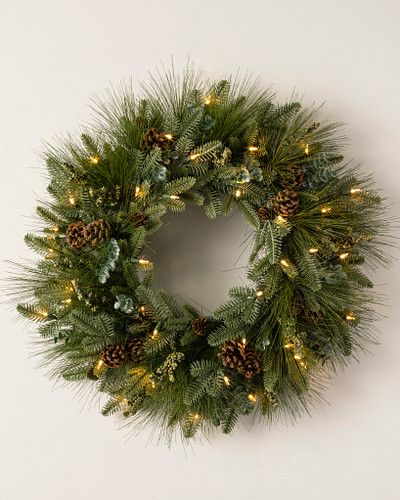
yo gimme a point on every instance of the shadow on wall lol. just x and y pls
(198, 259)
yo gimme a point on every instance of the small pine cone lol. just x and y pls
(135, 349)
(97, 232)
(286, 202)
(235, 354)
(153, 138)
(138, 219)
(312, 316)
(75, 235)
(263, 214)
(200, 326)
(230, 353)
(251, 365)
(114, 356)
(292, 177)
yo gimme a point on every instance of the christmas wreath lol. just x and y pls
(267, 350)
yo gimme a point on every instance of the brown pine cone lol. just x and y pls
(75, 236)
(97, 232)
(114, 356)
(135, 349)
(263, 214)
(312, 316)
(138, 219)
(250, 366)
(286, 202)
(238, 355)
(153, 138)
(292, 177)
(200, 326)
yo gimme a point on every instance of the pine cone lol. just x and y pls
(138, 219)
(114, 356)
(312, 316)
(292, 177)
(135, 349)
(75, 236)
(263, 214)
(235, 354)
(286, 202)
(153, 138)
(200, 326)
(250, 365)
(97, 232)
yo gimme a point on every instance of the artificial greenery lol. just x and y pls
(308, 305)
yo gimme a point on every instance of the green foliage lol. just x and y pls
(308, 303)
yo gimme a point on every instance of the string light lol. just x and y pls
(307, 149)
(94, 160)
(145, 263)
(252, 397)
(174, 197)
(194, 156)
(325, 210)
(137, 191)
(288, 345)
(55, 229)
(280, 220)
(297, 357)
(50, 253)
(259, 293)
(99, 368)
(238, 193)
(43, 313)
(244, 340)
(67, 301)
(284, 263)
(227, 380)
(350, 317)
(355, 190)
(343, 255)
(313, 250)
(71, 199)
(252, 149)
(142, 310)
(169, 136)
(207, 100)
(154, 334)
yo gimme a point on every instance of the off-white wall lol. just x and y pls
(53, 54)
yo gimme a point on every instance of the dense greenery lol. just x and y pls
(308, 306)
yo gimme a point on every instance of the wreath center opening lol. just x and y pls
(198, 259)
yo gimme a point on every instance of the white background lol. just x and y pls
(53, 55)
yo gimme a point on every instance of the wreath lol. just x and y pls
(228, 145)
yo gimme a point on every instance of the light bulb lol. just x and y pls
(94, 160)
(280, 220)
